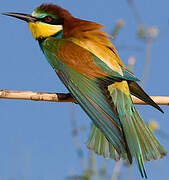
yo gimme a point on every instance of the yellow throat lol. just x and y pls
(43, 30)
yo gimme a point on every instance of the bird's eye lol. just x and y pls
(48, 19)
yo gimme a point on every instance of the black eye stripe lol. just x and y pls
(50, 20)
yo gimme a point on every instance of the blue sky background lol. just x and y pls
(35, 137)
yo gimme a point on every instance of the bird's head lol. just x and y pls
(45, 21)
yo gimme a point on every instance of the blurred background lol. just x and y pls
(46, 141)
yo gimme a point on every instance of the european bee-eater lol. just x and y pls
(89, 66)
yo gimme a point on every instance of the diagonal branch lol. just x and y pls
(62, 97)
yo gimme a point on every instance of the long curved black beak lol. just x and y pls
(24, 17)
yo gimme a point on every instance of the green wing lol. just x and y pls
(118, 130)
(94, 101)
(89, 94)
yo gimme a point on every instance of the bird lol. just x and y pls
(86, 61)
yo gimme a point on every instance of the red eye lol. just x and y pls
(47, 19)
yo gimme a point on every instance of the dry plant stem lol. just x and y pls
(160, 100)
(61, 97)
(135, 11)
(147, 62)
(116, 170)
(75, 135)
(36, 96)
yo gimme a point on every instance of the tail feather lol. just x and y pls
(98, 143)
(140, 140)
(151, 148)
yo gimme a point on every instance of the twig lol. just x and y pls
(36, 96)
(62, 97)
